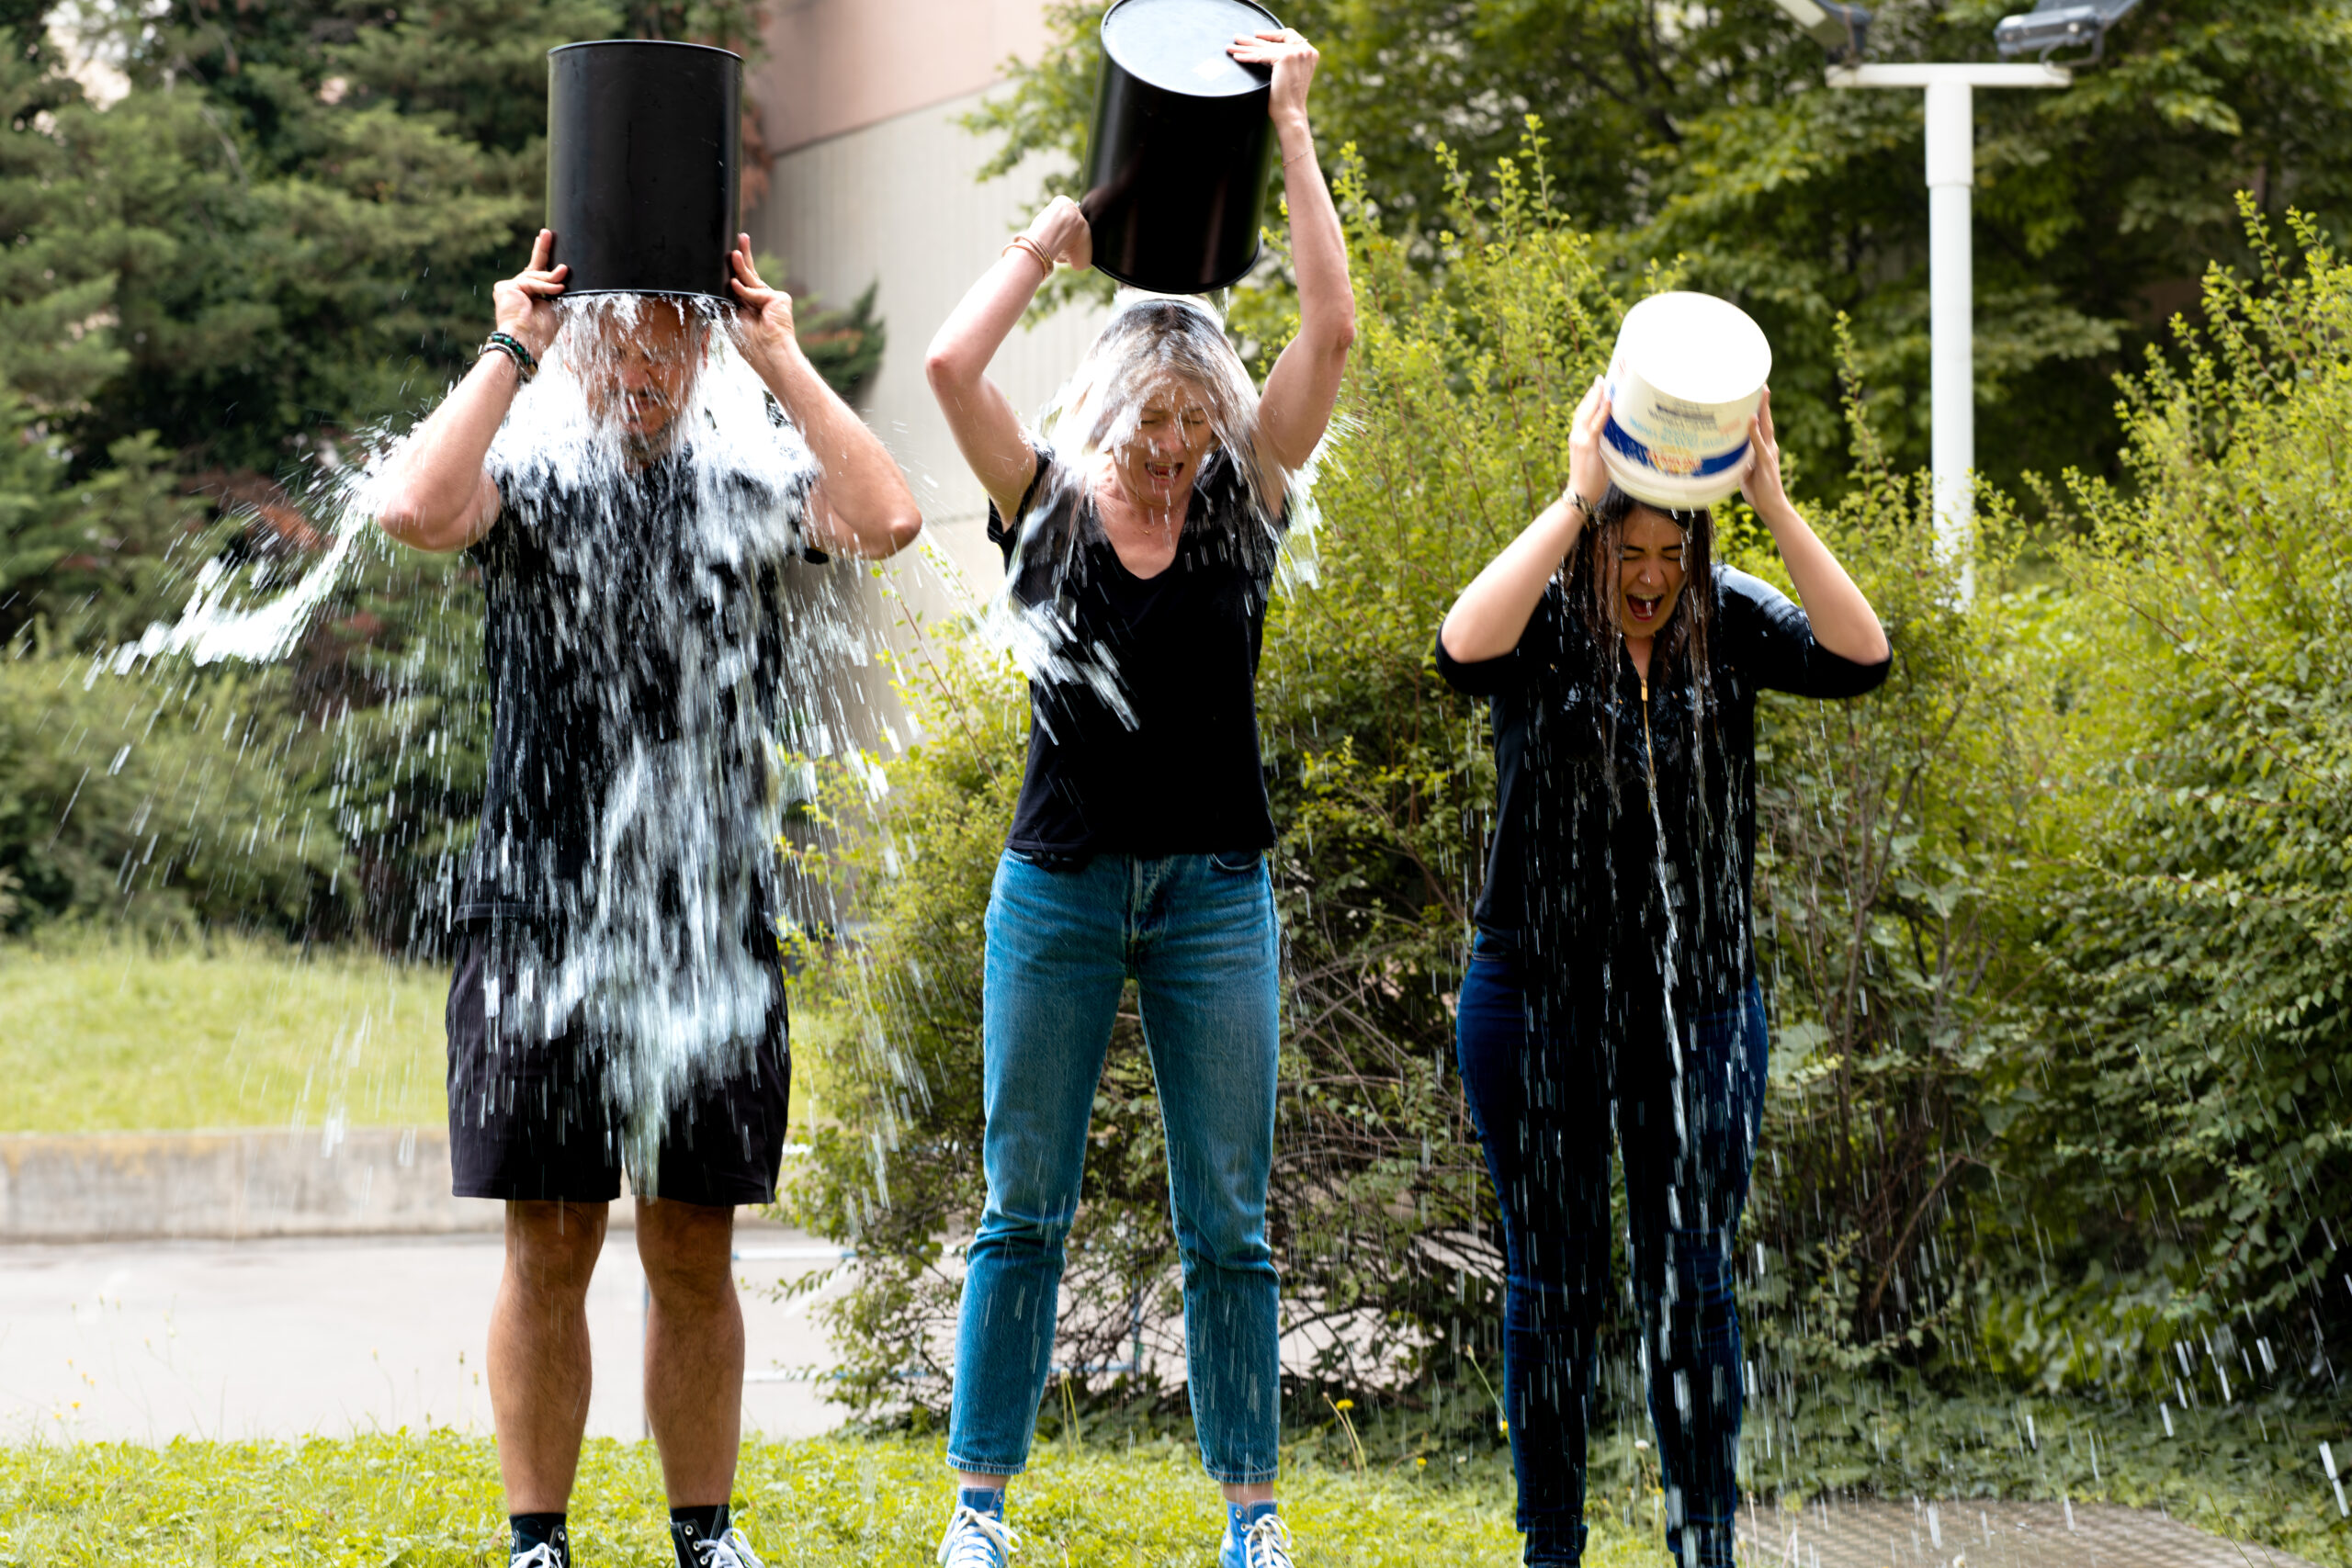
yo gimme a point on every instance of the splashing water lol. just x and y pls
(1160, 381)
(662, 650)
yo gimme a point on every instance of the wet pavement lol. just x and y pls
(277, 1338)
(1972, 1534)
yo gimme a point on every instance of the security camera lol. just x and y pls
(2058, 23)
(1837, 29)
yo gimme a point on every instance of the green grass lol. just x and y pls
(408, 1501)
(102, 1034)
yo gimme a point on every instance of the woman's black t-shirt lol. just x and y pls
(1158, 753)
(1580, 873)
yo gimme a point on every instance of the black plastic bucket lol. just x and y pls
(645, 154)
(1176, 168)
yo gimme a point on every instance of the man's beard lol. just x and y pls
(640, 446)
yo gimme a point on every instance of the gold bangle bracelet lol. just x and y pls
(1024, 244)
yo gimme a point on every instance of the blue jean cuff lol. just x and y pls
(1242, 1477)
(985, 1467)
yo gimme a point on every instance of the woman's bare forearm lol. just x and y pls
(1491, 615)
(986, 430)
(1842, 620)
(1304, 385)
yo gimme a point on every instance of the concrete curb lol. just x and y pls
(232, 1184)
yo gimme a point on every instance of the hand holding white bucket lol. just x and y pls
(1685, 381)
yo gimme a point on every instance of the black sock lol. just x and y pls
(539, 1529)
(688, 1526)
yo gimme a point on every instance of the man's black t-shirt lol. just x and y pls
(635, 652)
(1153, 750)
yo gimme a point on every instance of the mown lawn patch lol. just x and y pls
(404, 1500)
(102, 1034)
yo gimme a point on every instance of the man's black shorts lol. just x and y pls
(537, 1124)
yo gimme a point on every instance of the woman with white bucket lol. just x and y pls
(1612, 989)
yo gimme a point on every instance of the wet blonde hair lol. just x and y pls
(1153, 341)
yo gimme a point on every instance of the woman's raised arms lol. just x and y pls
(1842, 619)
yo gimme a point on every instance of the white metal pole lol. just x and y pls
(1951, 352)
(1952, 160)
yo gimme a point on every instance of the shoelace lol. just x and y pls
(729, 1550)
(543, 1555)
(975, 1540)
(1266, 1544)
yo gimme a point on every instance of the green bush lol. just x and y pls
(1892, 835)
(2191, 1139)
(168, 799)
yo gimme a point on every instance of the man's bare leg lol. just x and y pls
(539, 1370)
(693, 1348)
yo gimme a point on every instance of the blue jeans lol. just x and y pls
(1548, 1101)
(1198, 934)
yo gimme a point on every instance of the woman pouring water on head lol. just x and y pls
(1612, 989)
(1140, 537)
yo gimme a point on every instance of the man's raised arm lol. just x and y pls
(437, 495)
(861, 505)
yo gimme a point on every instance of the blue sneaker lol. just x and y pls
(978, 1536)
(1255, 1536)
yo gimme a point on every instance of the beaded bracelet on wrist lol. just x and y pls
(499, 343)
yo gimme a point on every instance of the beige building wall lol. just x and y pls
(874, 182)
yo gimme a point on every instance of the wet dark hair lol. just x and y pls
(1592, 582)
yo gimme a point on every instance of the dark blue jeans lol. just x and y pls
(1549, 1098)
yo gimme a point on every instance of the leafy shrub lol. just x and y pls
(2191, 1139)
(1893, 835)
(169, 800)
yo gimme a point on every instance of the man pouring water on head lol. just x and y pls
(635, 519)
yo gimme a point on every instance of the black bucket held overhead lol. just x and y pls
(1176, 168)
(645, 154)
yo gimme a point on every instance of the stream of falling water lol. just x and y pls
(678, 657)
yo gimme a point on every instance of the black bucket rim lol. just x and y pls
(720, 299)
(680, 43)
(1202, 291)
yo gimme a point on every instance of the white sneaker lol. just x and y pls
(729, 1550)
(540, 1556)
(975, 1540)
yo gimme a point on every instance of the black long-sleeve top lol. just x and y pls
(1591, 884)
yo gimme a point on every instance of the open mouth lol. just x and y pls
(1644, 612)
(1163, 473)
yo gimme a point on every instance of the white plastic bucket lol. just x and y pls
(1687, 376)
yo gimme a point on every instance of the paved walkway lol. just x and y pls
(277, 1338)
(1989, 1535)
